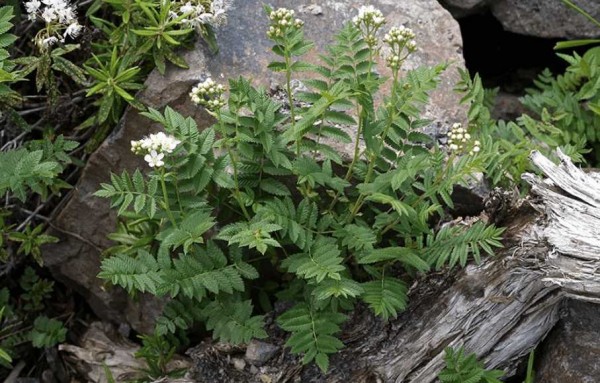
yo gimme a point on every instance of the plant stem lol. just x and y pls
(237, 193)
(373, 155)
(166, 197)
(288, 88)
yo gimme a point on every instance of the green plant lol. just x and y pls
(32, 169)
(47, 332)
(4, 356)
(113, 81)
(47, 70)
(157, 352)
(571, 101)
(161, 33)
(35, 291)
(506, 145)
(31, 241)
(25, 322)
(464, 368)
(60, 24)
(8, 97)
(140, 35)
(530, 374)
(265, 192)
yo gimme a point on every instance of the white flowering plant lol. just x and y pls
(264, 191)
(56, 38)
(68, 74)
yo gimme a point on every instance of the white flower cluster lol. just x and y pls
(155, 146)
(197, 13)
(459, 139)
(399, 38)
(60, 19)
(369, 15)
(282, 20)
(209, 94)
(369, 20)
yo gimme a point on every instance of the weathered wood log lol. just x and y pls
(500, 309)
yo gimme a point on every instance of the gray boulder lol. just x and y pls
(547, 18)
(540, 18)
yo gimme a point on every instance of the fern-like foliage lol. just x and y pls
(464, 368)
(22, 170)
(252, 235)
(387, 296)
(8, 97)
(125, 190)
(139, 273)
(506, 145)
(453, 244)
(206, 270)
(179, 313)
(231, 320)
(571, 99)
(312, 333)
(322, 260)
(297, 224)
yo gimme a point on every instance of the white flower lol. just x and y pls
(209, 94)
(32, 7)
(154, 159)
(66, 15)
(187, 8)
(49, 15)
(458, 139)
(48, 42)
(73, 30)
(368, 14)
(158, 143)
(170, 144)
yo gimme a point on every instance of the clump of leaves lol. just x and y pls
(506, 145)
(8, 97)
(265, 190)
(465, 368)
(157, 351)
(47, 332)
(26, 320)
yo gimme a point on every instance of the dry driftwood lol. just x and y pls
(102, 348)
(500, 309)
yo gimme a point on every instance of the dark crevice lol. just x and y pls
(504, 59)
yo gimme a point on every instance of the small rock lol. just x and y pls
(48, 376)
(239, 363)
(570, 353)
(313, 9)
(258, 353)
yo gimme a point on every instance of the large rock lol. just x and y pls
(86, 220)
(464, 7)
(547, 18)
(571, 353)
(540, 18)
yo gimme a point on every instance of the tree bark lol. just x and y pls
(500, 309)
